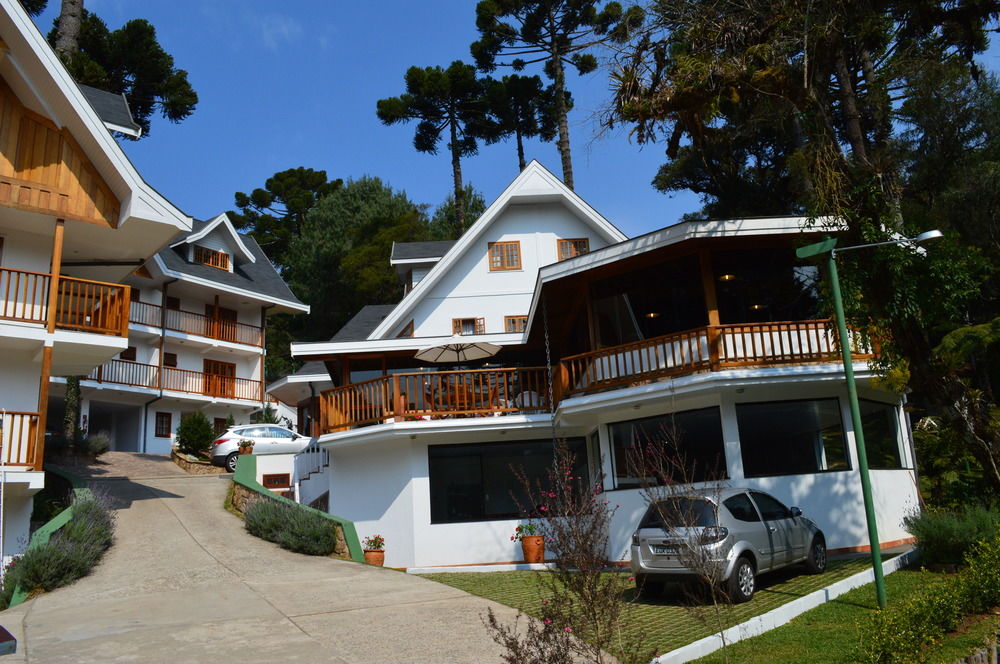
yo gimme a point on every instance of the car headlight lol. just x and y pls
(713, 534)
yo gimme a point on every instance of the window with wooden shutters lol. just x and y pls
(505, 256)
(515, 323)
(134, 294)
(210, 257)
(573, 247)
(170, 360)
(468, 326)
(173, 303)
(163, 425)
(128, 354)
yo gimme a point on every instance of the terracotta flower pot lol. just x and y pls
(246, 450)
(374, 557)
(533, 548)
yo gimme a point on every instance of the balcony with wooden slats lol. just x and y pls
(80, 304)
(17, 438)
(189, 322)
(432, 395)
(138, 374)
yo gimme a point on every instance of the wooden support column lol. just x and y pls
(711, 306)
(263, 348)
(46, 370)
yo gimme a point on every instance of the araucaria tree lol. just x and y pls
(441, 100)
(520, 106)
(841, 87)
(558, 33)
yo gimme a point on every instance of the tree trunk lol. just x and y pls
(520, 149)
(68, 28)
(852, 116)
(456, 169)
(562, 143)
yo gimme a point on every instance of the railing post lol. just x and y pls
(714, 338)
(126, 311)
(398, 398)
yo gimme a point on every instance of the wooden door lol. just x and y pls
(223, 325)
(220, 379)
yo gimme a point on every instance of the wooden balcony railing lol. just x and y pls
(17, 438)
(436, 394)
(703, 349)
(137, 374)
(81, 304)
(188, 322)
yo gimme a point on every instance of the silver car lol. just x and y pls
(267, 439)
(725, 536)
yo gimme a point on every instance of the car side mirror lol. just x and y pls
(795, 511)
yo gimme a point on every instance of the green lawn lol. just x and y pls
(828, 633)
(673, 620)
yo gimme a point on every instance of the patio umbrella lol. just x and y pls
(457, 351)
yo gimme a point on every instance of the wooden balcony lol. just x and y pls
(17, 438)
(189, 322)
(137, 374)
(710, 348)
(434, 395)
(80, 304)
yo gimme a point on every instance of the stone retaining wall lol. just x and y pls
(198, 467)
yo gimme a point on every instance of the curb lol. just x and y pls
(781, 615)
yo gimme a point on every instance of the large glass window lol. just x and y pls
(764, 285)
(684, 446)
(480, 482)
(791, 437)
(881, 426)
(649, 302)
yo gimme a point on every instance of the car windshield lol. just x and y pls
(679, 513)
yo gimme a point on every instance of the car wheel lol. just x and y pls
(816, 560)
(231, 462)
(647, 589)
(742, 582)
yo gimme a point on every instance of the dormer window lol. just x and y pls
(210, 257)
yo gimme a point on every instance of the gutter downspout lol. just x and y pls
(159, 374)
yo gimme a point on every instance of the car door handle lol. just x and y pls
(772, 529)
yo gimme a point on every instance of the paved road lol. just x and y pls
(185, 583)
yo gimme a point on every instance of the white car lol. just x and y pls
(267, 439)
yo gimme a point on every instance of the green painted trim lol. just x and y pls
(246, 476)
(45, 532)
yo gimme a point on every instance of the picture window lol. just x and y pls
(163, 425)
(505, 256)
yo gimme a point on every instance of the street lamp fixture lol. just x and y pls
(829, 247)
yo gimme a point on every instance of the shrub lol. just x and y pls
(98, 443)
(71, 553)
(195, 434)
(291, 527)
(898, 634)
(945, 537)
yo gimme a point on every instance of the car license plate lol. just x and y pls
(662, 550)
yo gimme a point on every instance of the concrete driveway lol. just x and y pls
(185, 583)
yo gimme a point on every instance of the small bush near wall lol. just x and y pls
(291, 528)
(195, 434)
(897, 635)
(944, 537)
(71, 553)
(98, 443)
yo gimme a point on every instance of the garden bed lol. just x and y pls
(194, 465)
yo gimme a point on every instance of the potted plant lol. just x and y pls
(374, 547)
(532, 543)
(246, 446)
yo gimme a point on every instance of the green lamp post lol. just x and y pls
(829, 247)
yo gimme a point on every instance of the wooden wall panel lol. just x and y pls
(42, 169)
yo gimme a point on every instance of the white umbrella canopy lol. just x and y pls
(457, 351)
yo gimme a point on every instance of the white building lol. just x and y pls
(702, 337)
(196, 340)
(75, 218)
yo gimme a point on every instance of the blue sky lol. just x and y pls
(295, 83)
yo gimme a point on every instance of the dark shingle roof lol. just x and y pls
(311, 369)
(363, 323)
(111, 108)
(257, 277)
(417, 250)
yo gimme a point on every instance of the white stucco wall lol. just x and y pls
(27, 251)
(19, 381)
(471, 290)
(17, 508)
